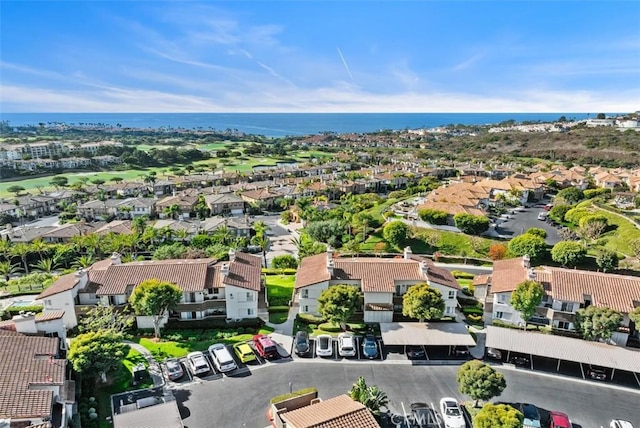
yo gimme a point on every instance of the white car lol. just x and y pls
(619, 423)
(346, 345)
(324, 345)
(451, 413)
(198, 363)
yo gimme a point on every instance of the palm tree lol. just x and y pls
(21, 250)
(263, 242)
(5, 248)
(371, 396)
(182, 235)
(7, 269)
(40, 247)
(260, 227)
(83, 262)
(46, 265)
(223, 234)
(151, 236)
(172, 211)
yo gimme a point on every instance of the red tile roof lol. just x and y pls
(376, 275)
(189, 275)
(25, 364)
(507, 274)
(62, 284)
(245, 271)
(337, 412)
(49, 316)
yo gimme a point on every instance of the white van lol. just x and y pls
(222, 358)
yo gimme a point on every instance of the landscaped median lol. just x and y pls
(280, 284)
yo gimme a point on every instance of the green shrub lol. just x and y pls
(472, 310)
(12, 311)
(273, 309)
(309, 319)
(212, 324)
(329, 327)
(474, 318)
(465, 302)
(272, 271)
(298, 393)
(458, 274)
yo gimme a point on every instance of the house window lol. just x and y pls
(304, 294)
(249, 311)
(398, 290)
(305, 308)
(563, 325)
(566, 307)
(452, 294)
(216, 291)
(499, 314)
(47, 302)
(502, 298)
(249, 297)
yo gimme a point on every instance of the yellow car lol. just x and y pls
(244, 352)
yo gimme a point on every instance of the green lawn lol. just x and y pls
(280, 289)
(617, 239)
(179, 343)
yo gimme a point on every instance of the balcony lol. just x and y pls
(201, 306)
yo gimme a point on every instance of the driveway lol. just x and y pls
(242, 401)
(280, 237)
(520, 221)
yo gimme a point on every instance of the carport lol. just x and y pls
(564, 349)
(425, 334)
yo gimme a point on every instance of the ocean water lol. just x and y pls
(283, 124)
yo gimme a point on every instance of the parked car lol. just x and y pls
(460, 351)
(265, 347)
(415, 352)
(198, 363)
(222, 358)
(619, 423)
(173, 369)
(423, 416)
(597, 373)
(346, 345)
(324, 345)
(369, 346)
(559, 420)
(494, 353)
(542, 215)
(519, 360)
(531, 415)
(244, 352)
(301, 343)
(451, 413)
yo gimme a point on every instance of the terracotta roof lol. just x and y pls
(49, 316)
(312, 270)
(189, 275)
(482, 280)
(122, 227)
(245, 271)
(507, 274)
(606, 290)
(25, 365)
(62, 284)
(337, 412)
(376, 275)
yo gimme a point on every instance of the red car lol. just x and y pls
(559, 420)
(265, 346)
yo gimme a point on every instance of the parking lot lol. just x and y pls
(518, 221)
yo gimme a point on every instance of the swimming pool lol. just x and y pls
(23, 303)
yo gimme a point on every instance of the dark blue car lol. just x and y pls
(369, 346)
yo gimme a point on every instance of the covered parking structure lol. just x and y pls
(426, 334)
(564, 349)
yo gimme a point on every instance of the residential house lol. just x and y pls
(566, 291)
(607, 180)
(24, 233)
(64, 233)
(240, 226)
(34, 389)
(184, 203)
(232, 289)
(119, 227)
(260, 196)
(307, 412)
(225, 204)
(383, 282)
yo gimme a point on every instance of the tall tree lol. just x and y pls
(568, 253)
(98, 352)
(22, 251)
(480, 381)
(339, 302)
(597, 323)
(634, 316)
(526, 298)
(7, 269)
(422, 302)
(262, 241)
(156, 299)
(396, 233)
(531, 245)
(498, 416)
(173, 211)
(105, 318)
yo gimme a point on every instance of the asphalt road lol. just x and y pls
(242, 401)
(280, 238)
(519, 222)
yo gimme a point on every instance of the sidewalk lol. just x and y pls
(282, 333)
(155, 371)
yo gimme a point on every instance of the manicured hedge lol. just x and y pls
(174, 324)
(279, 398)
(273, 309)
(472, 310)
(458, 274)
(10, 312)
(272, 271)
(464, 301)
(329, 327)
(309, 319)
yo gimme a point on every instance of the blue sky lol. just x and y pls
(312, 56)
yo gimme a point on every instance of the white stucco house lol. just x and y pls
(232, 289)
(382, 281)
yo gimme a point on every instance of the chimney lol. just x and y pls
(424, 268)
(329, 252)
(225, 269)
(115, 259)
(526, 261)
(532, 274)
(25, 323)
(232, 254)
(330, 266)
(407, 253)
